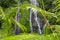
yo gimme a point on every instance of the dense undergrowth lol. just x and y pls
(54, 36)
(49, 10)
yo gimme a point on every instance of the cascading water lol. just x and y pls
(17, 17)
(34, 2)
(31, 20)
(36, 19)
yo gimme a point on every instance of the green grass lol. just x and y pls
(33, 37)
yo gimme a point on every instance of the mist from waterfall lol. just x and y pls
(34, 2)
(17, 17)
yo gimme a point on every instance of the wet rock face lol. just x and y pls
(34, 24)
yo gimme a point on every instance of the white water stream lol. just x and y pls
(34, 2)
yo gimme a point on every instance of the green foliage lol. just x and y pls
(49, 9)
(42, 12)
(33, 37)
(8, 21)
(22, 27)
(56, 28)
(47, 30)
(24, 1)
(7, 3)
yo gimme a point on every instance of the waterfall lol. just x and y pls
(17, 17)
(34, 2)
(36, 19)
(31, 20)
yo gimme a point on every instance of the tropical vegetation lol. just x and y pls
(49, 10)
